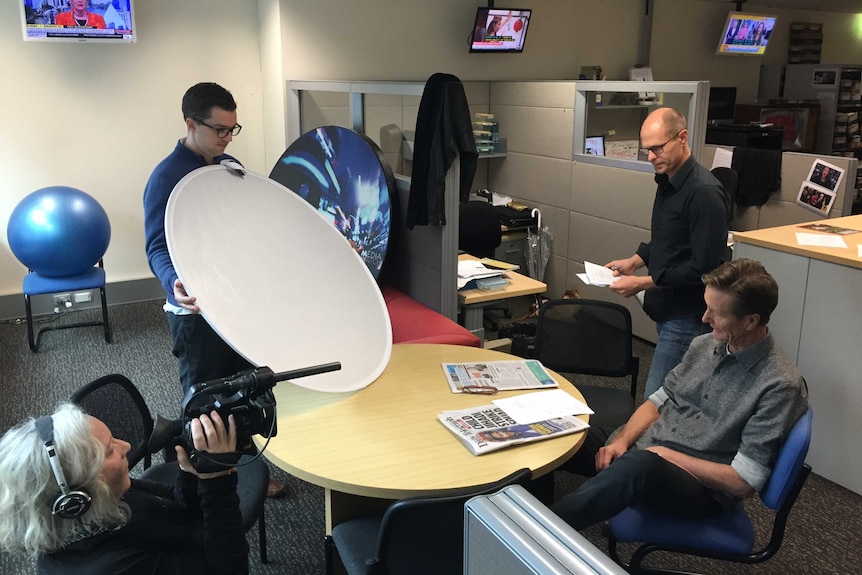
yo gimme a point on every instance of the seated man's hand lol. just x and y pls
(608, 453)
(210, 435)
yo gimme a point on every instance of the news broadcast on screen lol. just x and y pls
(746, 34)
(78, 20)
(499, 30)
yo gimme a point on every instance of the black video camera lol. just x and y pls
(246, 395)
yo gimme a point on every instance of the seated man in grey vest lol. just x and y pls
(712, 432)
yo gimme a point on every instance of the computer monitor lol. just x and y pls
(594, 145)
(722, 105)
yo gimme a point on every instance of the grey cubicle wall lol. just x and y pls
(595, 212)
(782, 209)
(512, 532)
(424, 265)
(599, 213)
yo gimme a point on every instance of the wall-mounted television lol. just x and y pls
(499, 30)
(100, 21)
(746, 34)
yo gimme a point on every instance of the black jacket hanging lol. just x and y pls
(443, 130)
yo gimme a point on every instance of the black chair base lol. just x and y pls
(34, 336)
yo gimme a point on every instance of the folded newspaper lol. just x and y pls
(488, 428)
(500, 375)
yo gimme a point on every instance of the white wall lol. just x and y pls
(99, 118)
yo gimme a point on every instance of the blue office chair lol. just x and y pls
(37, 284)
(60, 234)
(730, 536)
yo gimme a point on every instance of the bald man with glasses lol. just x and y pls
(688, 237)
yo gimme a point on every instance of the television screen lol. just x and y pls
(78, 20)
(746, 34)
(499, 30)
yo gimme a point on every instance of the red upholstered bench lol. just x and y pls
(413, 322)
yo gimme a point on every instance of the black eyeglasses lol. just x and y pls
(657, 150)
(222, 132)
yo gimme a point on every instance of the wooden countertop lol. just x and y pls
(519, 285)
(783, 239)
(385, 441)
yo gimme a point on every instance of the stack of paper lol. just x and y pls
(469, 270)
(514, 420)
(597, 275)
(601, 276)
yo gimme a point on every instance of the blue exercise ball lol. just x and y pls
(59, 231)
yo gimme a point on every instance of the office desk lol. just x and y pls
(817, 324)
(385, 442)
(474, 300)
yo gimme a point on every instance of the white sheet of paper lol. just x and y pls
(584, 278)
(599, 275)
(533, 407)
(469, 270)
(820, 240)
(499, 199)
(722, 159)
(860, 249)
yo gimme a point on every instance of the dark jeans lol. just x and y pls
(638, 477)
(674, 337)
(202, 354)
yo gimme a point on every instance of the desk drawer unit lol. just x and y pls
(511, 249)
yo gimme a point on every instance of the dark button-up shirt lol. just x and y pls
(689, 235)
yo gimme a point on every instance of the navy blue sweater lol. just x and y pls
(159, 187)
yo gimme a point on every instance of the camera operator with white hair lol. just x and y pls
(66, 498)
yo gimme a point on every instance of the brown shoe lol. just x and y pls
(276, 489)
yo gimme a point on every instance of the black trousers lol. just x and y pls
(202, 354)
(638, 477)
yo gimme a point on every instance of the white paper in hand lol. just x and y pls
(599, 275)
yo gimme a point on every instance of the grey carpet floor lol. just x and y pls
(822, 533)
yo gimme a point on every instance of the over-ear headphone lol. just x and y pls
(69, 504)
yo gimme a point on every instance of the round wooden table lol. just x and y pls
(385, 442)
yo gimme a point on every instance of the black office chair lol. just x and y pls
(591, 337)
(119, 404)
(479, 231)
(416, 536)
(480, 234)
(730, 180)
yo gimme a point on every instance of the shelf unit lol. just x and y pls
(806, 41)
(614, 110)
(847, 136)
